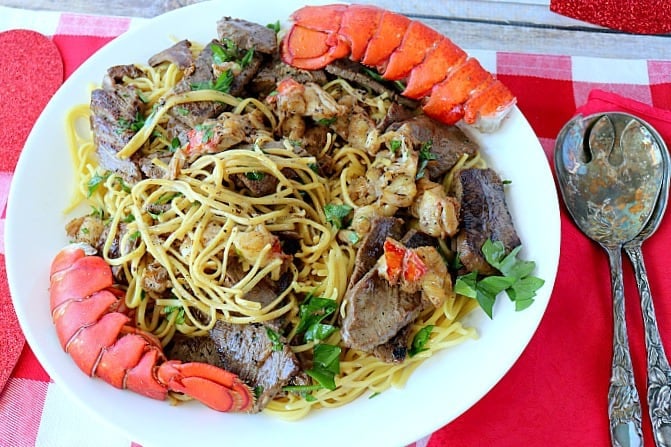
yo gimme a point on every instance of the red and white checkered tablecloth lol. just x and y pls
(555, 395)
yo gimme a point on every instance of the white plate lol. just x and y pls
(440, 390)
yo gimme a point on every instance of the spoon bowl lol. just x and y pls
(658, 369)
(610, 171)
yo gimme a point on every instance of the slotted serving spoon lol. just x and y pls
(610, 171)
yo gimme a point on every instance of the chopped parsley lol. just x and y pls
(311, 314)
(255, 175)
(179, 310)
(229, 52)
(515, 279)
(327, 121)
(134, 125)
(167, 197)
(425, 155)
(335, 214)
(274, 338)
(206, 131)
(222, 84)
(325, 365)
(420, 340)
(96, 181)
(274, 26)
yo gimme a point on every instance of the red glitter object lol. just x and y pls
(31, 70)
(632, 16)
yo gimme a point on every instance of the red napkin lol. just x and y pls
(556, 395)
(601, 101)
(31, 70)
(633, 16)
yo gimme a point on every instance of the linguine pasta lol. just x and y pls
(194, 224)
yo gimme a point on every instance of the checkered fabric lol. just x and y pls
(555, 394)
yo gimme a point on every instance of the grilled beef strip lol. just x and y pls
(372, 245)
(116, 73)
(396, 349)
(415, 238)
(353, 71)
(194, 349)
(248, 351)
(113, 112)
(247, 35)
(193, 113)
(484, 215)
(448, 143)
(179, 54)
(271, 74)
(376, 311)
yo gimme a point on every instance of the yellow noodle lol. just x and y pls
(204, 222)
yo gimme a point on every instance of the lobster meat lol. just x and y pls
(93, 327)
(451, 85)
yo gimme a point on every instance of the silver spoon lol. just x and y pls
(610, 176)
(659, 371)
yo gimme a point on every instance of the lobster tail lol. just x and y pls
(452, 86)
(98, 335)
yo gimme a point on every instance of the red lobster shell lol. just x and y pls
(94, 329)
(451, 85)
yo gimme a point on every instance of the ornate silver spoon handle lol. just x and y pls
(624, 406)
(659, 372)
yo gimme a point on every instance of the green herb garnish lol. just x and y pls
(325, 365)
(425, 155)
(222, 84)
(516, 279)
(420, 340)
(335, 214)
(327, 121)
(311, 314)
(274, 338)
(96, 181)
(134, 125)
(255, 175)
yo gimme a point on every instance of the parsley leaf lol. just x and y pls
(136, 124)
(96, 181)
(311, 313)
(425, 155)
(274, 26)
(325, 365)
(274, 339)
(179, 310)
(255, 175)
(516, 279)
(222, 84)
(336, 213)
(327, 121)
(420, 340)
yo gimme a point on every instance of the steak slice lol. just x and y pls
(484, 215)
(448, 143)
(270, 75)
(246, 350)
(396, 349)
(179, 54)
(372, 245)
(194, 349)
(247, 35)
(113, 111)
(193, 113)
(376, 311)
(414, 239)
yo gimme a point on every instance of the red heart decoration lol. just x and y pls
(31, 70)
